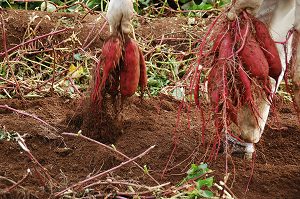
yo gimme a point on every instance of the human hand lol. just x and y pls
(251, 6)
(119, 15)
(297, 16)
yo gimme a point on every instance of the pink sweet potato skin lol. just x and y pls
(217, 81)
(143, 73)
(214, 86)
(130, 73)
(110, 57)
(111, 54)
(215, 78)
(247, 94)
(253, 57)
(269, 48)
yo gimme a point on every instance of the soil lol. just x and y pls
(88, 28)
(72, 159)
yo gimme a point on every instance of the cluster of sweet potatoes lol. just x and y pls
(241, 56)
(120, 70)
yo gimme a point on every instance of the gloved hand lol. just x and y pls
(119, 15)
(252, 6)
(297, 16)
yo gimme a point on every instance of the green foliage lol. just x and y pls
(205, 5)
(164, 68)
(197, 171)
(197, 175)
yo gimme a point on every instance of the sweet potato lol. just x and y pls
(216, 81)
(143, 73)
(110, 57)
(214, 86)
(253, 57)
(130, 73)
(226, 47)
(269, 48)
(247, 94)
(112, 85)
(217, 42)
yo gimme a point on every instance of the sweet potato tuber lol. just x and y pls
(111, 54)
(269, 48)
(253, 57)
(214, 86)
(216, 79)
(247, 94)
(143, 73)
(226, 47)
(217, 42)
(130, 73)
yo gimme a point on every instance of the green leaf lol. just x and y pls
(207, 194)
(205, 182)
(152, 82)
(202, 6)
(196, 171)
(194, 194)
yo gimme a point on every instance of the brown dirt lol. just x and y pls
(69, 160)
(276, 172)
(17, 21)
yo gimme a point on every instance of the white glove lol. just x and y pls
(252, 6)
(119, 15)
(297, 15)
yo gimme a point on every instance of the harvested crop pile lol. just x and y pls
(237, 58)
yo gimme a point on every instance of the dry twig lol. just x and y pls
(103, 173)
(46, 175)
(27, 114)
(111, 149)
(9, 189)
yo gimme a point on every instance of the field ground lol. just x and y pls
(71, 159)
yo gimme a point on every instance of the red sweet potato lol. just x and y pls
(226, 47)
(269, 48)
(246, 84)
(143, 73)
(216, 81)
(130, 73)
(217, 42)
(253, 57)
(214, 86)
(110, 57)
(112, 85)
